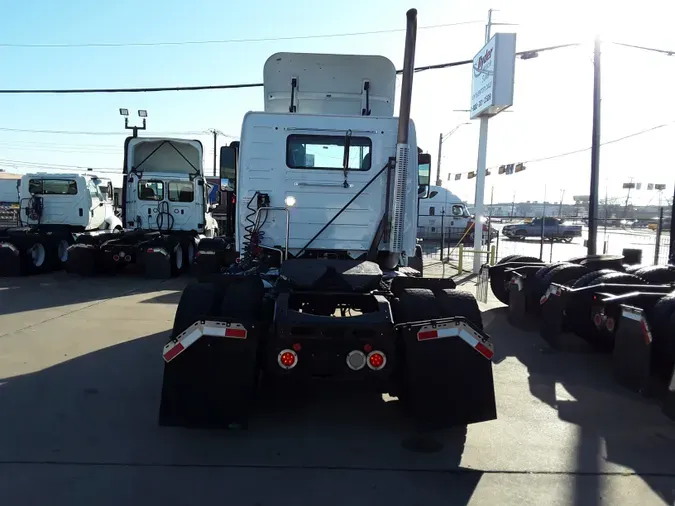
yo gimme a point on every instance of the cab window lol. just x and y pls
(458, 210)
(93, 190)
(52, 187)
(327, 152)
(181, 191)
(151, 190)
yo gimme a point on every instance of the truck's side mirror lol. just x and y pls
(228, 167)
(423, 180)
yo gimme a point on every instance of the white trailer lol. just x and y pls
(327, 184)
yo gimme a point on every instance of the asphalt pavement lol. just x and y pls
(80, 379)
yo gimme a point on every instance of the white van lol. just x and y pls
(442, 209)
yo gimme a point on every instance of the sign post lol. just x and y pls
(491, 93)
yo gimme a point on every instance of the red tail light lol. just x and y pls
(376, 360)
(116, 258)
(287, 359)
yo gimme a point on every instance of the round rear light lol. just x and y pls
(287, 359)
(356, 360)
(597, 319)
(610, 324)
(116, 258)
(376, 360)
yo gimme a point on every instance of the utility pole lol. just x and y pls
(595, 154)
(441, 138)
(215, 133)
(630, 185)
(438, 162)
(562, 197)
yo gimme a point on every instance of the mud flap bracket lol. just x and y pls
(447, 373)
(210, 375)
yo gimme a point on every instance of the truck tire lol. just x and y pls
(662, 322)
(499, 280)
(657, 274)
(597, 262)
(34, 257)
(632, 269)
(58, 251)
(518, 258)
(196, 303)
(589, 277)
(565, 274)
(432, 376)
(458, 303)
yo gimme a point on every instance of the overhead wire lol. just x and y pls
(157, 89)
(227, 41)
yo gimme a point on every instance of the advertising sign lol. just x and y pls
(493, 74)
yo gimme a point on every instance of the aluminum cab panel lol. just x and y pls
(329, 83)
(263, 168)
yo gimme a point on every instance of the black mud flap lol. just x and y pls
(518, 303)
(552, 315)
(10, 260)
(157, 262)
(84, 260)
(669, 400)
(483, 283)
(210, 376)
(632, 349)
(447, 373)
(206, 265)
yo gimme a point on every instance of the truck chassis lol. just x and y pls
(414, 338)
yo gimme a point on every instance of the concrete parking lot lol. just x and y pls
(80, 378)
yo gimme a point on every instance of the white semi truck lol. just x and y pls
(164, 212)
(327, 183)
(53, 209)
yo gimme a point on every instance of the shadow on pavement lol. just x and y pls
(92, 422)
(61, 289)
(615, 425)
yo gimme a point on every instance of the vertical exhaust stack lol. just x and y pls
(400, 179)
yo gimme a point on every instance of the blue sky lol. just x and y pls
(551, 112)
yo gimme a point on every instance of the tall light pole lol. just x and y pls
(441, 139)
(142, 113)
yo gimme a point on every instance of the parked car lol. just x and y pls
(553, 229)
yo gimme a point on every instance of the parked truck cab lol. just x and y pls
(327, 185)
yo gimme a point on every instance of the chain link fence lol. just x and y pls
(452, 247)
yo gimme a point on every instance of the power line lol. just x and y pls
(119, 171)
(231, 41)
(85, 132)
(654, 50)
(635, 134)
(242, 85)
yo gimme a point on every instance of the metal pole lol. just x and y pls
(543, 219)
(438, 163)
(215, 150)
(657, 248)
(442, 232)
(671, 254)
(480, 175)
(595, 155)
